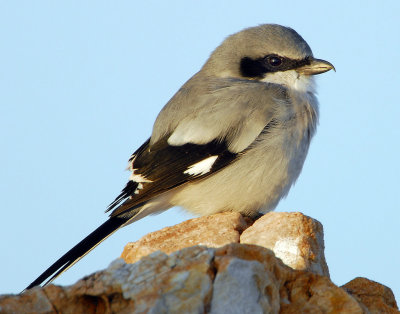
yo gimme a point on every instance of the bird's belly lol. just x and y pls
(257, 181)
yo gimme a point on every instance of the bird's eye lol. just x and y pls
(274, 61)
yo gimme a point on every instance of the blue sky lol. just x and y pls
(82, 82)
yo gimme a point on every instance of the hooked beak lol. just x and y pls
(315, 66)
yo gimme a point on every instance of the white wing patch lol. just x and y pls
(140, 179)
(139, 187)
(137, 177)
(201, 167)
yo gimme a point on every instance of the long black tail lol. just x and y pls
(79, 251)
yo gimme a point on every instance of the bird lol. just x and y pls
(233, 138)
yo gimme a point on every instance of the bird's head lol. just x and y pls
(270, 53)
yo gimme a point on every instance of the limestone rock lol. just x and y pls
(231, 278)
(212, 231)
(376, 297)
(296, 239)
(236, 278)
(311, 293)
(245, 285)
(179, 283)
(295, 291)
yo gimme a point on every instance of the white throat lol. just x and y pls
(293, 80)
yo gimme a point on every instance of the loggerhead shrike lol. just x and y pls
(233, 138)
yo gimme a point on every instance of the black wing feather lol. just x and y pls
(165, 166)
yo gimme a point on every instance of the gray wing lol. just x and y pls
(233, 110)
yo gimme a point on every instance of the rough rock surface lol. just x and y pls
(234, 278)
(211, 231)
(296, 239)
(377, 298)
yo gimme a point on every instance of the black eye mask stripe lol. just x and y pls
(257, 68)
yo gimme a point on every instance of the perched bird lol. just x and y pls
(233, 138)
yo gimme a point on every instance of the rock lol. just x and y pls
(295, 291)
(212, 231)
(32, 301)
(296, 239)
(236, 278)
(312, 293)
(376, 297)
(238, 283)
(231, 278)
(179, 283)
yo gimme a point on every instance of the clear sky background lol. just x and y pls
(81, 83)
